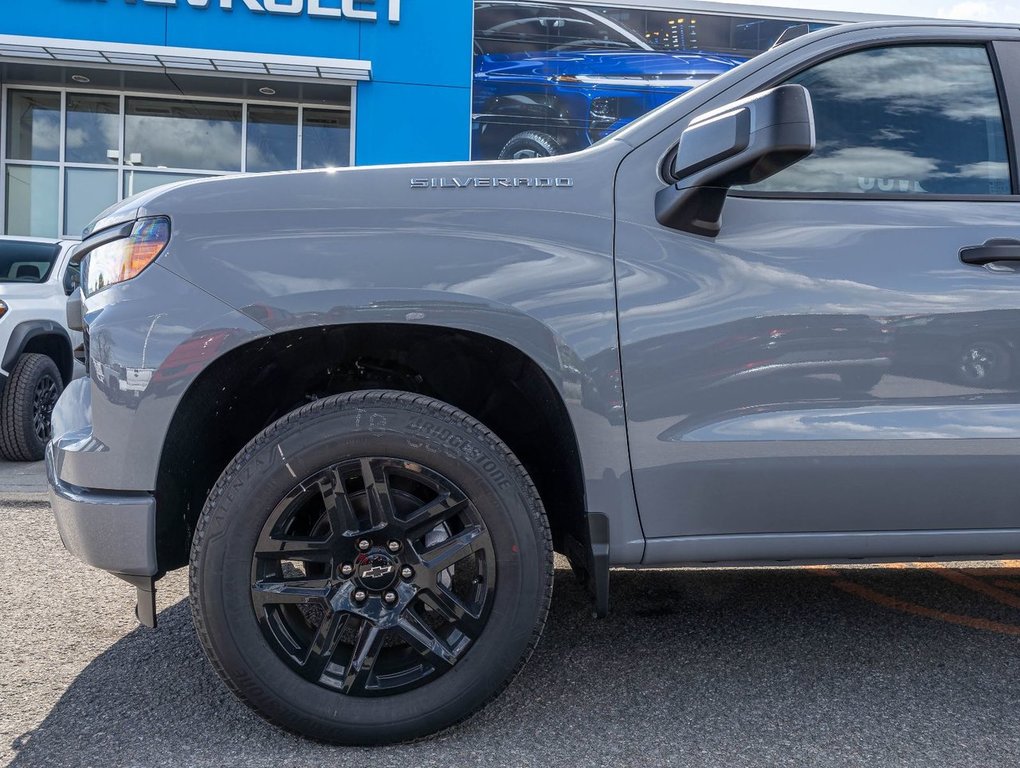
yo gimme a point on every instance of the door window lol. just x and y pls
(903, 120)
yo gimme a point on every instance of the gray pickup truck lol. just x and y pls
(776, 320)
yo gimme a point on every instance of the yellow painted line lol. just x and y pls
(976, 585)
(903, 606)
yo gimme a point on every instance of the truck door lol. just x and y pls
(838, 372)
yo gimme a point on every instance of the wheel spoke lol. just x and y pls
(425, 640)
(436, 512)
(293, 592)
(343, 521)
(363, 658)
(456, 548)
(377, 488)
(449, 606)
(323, 645)
(308, 550)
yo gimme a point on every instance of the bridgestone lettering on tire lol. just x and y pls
(374, 567)
(26, 406)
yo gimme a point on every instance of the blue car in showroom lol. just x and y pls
(554, 79)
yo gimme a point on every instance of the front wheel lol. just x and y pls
(371, 568)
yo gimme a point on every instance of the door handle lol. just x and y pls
(992, 251)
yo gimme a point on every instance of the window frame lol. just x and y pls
(121, 167)
(1001, 85)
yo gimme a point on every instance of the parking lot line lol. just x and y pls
(914, 609)
(964, 580)
(840, 581)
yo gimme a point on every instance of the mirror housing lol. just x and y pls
(742, 143)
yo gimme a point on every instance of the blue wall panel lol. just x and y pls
(241, 30)
(431, 45)
(85, 20)
(400, 123)
(417, 107)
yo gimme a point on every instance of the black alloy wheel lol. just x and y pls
(47, 391)
(373, 576)
(371, 568)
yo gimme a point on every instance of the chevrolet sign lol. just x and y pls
(359, 10)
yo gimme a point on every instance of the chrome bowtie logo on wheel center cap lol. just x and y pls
(376, 572)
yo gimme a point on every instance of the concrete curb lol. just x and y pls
(28, 497)
(23, 483)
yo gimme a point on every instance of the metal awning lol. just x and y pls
(197, 61)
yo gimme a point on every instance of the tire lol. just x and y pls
(530, 144)
(263, 631)
(26, 406)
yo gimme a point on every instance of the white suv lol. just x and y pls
(36, 346)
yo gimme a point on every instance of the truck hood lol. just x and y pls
(647, 66)
(285, 197)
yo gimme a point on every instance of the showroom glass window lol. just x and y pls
(69, 154)
(589, 71)
(901, 120)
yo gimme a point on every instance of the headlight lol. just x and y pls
(605, 109)
(126, 257)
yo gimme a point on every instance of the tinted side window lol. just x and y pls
(26, 262)
(905, 119)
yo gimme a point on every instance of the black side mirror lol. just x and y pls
(742, 143)
(72, 278)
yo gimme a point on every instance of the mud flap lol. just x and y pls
(145, 609)
(590, 561)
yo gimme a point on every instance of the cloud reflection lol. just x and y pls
(903, 119)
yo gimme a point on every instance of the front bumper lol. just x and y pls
(114, 532)
(111, 530)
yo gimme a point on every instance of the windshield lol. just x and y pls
(518, 26)
(26, 262)
(504, 27)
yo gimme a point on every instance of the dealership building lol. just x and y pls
(102, 99)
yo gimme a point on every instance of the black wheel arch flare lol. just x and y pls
(59, 347)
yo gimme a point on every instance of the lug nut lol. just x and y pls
(360, 596)
(364, 545)
(406, 572)
(390, 598)
(393, 546)
(346, 570)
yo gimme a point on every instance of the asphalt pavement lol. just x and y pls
(905, 666)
